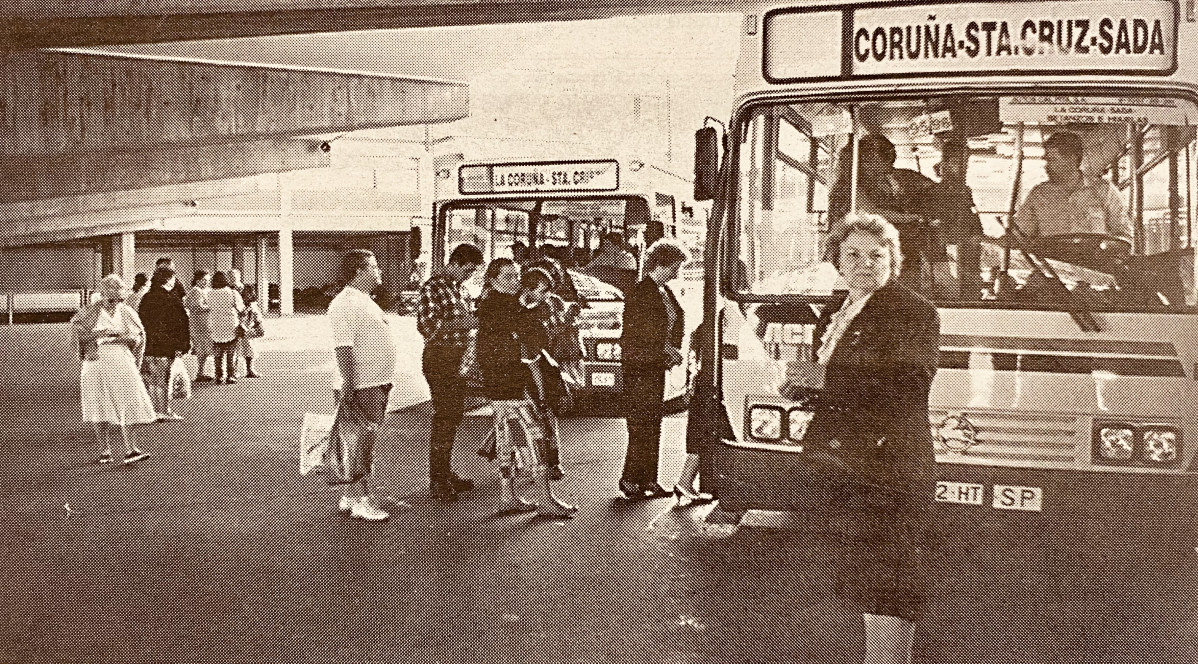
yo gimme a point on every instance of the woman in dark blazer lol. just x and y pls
(650, 344)
(168, 336)
(875, 357)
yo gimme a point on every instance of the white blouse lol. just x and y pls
(837, 326)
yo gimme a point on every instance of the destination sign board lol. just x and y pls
(599, 175)
(988, 37)
(1071, 109)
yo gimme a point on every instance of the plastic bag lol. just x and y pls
(350, 452)
(180, 380)
(314, 440)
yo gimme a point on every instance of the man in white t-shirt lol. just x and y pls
(365, 371)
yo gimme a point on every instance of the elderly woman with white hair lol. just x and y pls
(867, 385)
(111, 343)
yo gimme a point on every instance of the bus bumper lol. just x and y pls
(977, 501)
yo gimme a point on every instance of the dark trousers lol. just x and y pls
(224, 359)
(643, 395)
(441, 366)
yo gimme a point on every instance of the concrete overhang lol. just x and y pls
(90, 135)
(47, 23)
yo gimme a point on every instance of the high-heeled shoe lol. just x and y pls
(687, 496)
(516, 506)
(556, 508)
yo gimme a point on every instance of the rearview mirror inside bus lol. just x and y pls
(707, 163)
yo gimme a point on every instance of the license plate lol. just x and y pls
(1026, 498)
(960, 492)
(603, 379)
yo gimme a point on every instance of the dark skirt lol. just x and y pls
(885, 563)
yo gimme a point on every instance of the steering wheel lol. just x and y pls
(1111, 246)
(1097, 251)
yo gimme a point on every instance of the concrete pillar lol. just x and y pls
(263, 286)
(286, 273)
(239, 257)
(125, 256)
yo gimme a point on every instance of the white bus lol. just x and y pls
(561, 209)
(1066, 401)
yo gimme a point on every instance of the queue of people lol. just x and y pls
(867, 384)
(512, 340)
(145, 332)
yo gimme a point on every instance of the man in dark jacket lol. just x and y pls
(650, 345)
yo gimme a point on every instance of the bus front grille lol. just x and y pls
(1008, 438)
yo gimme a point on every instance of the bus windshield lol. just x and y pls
(1053, 202)
(570, 231)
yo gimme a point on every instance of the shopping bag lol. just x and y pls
(180, 380)
(314, 440)
(350, 452)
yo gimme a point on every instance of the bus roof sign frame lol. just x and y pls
(849, 30)
(539, 177)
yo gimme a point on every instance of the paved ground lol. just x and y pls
(216, 550)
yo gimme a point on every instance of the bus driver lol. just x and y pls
(1071, 202)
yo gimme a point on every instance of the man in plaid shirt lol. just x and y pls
(445, 319)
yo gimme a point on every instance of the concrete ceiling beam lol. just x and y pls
(170, 201)
(71, 102)
(25, 179)
(47, 23)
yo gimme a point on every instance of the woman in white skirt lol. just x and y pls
(111, 340)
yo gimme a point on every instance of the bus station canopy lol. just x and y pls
(48, 23)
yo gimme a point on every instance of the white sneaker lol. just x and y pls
(346, 504)
(364, 510)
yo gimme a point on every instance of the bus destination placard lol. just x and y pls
(978, 38)
(1057, 109)
(599, 175)
(1020, 36)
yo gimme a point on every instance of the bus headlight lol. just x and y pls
(797, 421)
(1160, 445)
(1114, 443)
(609, 351)
(765, 423)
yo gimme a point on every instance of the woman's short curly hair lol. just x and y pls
(662, 253)
(872, 225)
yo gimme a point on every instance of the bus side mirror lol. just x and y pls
(707, 163)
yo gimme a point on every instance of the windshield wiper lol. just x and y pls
(1081, 316)
(1052, 280)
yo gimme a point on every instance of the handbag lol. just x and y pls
(469, 369)
(251, 325)
(180, 381)
(350, 451)
(547, 387)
